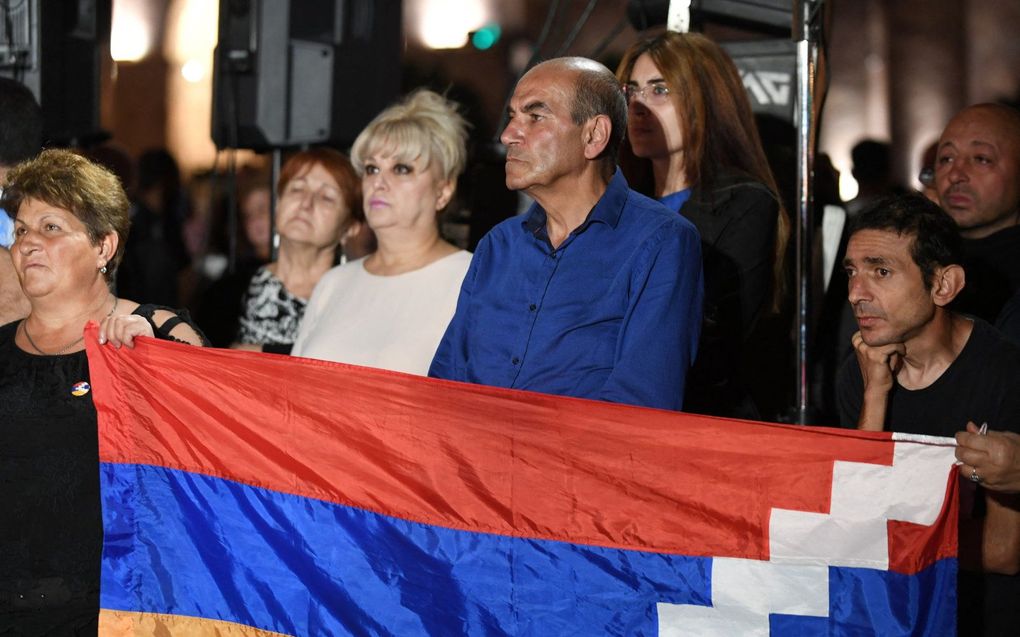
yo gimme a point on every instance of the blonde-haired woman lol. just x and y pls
(390, 309)
(692, 142)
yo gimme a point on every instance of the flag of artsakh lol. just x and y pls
(248, 494)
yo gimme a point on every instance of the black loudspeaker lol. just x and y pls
(52, 47)
(762, 14)
(290, 73)
(769, 71)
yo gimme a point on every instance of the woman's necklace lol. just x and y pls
(24, 328)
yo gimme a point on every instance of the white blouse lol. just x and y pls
(389, 322)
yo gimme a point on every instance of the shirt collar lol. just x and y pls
(607, 210)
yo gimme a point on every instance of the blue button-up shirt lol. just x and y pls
(613, 313)
(6, 229)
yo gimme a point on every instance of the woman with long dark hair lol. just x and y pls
(692, 142)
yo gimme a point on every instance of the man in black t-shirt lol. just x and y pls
(977, 176)
(1009, 319)
(922, 368)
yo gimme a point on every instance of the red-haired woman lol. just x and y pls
(319, 205)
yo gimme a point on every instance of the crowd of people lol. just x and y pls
(644, 271)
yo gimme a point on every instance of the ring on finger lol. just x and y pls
(974, 477)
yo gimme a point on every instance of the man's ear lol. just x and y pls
(596, 135)
(947, 283)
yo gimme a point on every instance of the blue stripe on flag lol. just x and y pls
(308, 567)
(922, 604)
(862, 599)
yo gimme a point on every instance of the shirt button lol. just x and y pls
(532, 307)
(515, 360)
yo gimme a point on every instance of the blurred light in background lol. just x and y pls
(847, 184)
(191, 36)
(193, 71)
(445, 24)
(486, 37)
(131, 31)
(190, 40)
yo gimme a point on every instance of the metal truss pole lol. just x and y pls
(807, 15)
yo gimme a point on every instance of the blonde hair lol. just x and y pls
(424, 125)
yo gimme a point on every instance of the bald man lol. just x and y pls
(20, 138)
(596, 292)
(977, 176)
(13, 304)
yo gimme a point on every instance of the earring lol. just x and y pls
(102, 270)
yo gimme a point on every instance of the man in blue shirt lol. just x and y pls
(596, 292)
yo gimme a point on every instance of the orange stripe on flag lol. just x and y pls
(117, 623)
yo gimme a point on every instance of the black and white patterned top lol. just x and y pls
(270, 313)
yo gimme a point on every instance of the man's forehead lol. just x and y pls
(982, 127)
(546, 85)
(874, 243)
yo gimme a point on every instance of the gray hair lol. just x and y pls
(597, 92)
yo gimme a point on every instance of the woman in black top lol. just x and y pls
(70, 221)
(692, 142)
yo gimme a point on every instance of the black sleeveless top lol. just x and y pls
(51, 523)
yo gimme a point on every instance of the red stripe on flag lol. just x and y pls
(912, 547)
(466, 456)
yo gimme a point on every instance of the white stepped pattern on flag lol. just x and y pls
(795, 580)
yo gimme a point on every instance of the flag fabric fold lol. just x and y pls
(260, 495)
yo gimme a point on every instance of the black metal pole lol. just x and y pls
(274, 176)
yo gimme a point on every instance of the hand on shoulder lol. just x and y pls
(121, 328)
